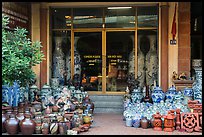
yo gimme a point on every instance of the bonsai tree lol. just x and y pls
(19, 54)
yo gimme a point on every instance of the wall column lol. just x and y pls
(43, 39)
(164, 45)
(184, 47)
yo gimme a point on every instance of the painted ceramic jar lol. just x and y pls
(170, 94)
(197, 85)
(33, 90)
(11, 125)
(128, 122)
(188, 94)
(27, 125)
(54, 82)
(62, 128)
(136, 120)
(46, 91)
(157, 95)
(136, 95)
(45, 125)
(54, 127)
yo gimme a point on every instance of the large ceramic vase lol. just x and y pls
(27, 125)
(188, 94)
(11, 125)
(58, 60)
(157, 95)
(136, 95)
(170, 94)
(197, 85)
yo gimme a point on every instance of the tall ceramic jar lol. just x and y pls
(58, 60)
(197, 85)
(136, 95)
(12, 125)
(27, 125)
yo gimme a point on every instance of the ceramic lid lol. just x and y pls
(34, 86)
(46, 86)
(157, 88)
(172, 88)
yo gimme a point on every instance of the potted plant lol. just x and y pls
(19, 54)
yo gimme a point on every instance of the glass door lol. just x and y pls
(88, 59)
(119, 59)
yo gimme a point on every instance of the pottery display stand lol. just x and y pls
(178, 119)
(191, 122)
(181, 84)
(157, 122)
(169, 122)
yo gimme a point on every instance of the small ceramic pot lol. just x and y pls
(128, 122)
(11, 125)
(144, 123)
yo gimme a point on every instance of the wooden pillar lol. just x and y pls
(164, 46)
(43, 39)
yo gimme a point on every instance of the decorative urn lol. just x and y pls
(157, 95)
(170, 94)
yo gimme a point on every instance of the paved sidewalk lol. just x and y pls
(113, 124)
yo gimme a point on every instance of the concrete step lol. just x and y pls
(108, 110)
(107, 103)
(106, 97)
(104, 104)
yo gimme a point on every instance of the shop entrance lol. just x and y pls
(104, 45)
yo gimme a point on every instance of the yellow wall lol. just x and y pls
(173, 49)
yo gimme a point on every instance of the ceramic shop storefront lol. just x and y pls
(104, 42)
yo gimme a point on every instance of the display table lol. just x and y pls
(181, 84)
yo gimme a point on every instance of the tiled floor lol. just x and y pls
(113, 124)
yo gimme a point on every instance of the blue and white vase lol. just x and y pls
(11, 94)
(136, 95)
(58, 61)
(197, 85)
(136, 120)
(32, 91)
(170, 94)
(188, 94)
(157, 95)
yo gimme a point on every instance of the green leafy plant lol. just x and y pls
(19, 54)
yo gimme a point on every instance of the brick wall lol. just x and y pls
(184, 48)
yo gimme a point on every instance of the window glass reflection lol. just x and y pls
(88, 17)
(147, 16)
(120, 18)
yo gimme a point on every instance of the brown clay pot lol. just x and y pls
(27, 125)
(55, 108)
(20, 116)
(3, 121)
(62, 128)
(144, 123)
(12, 125)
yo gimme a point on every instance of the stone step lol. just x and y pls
(108, 110)
(109, 104)
(106, 98)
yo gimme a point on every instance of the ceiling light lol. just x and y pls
(118, 8)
